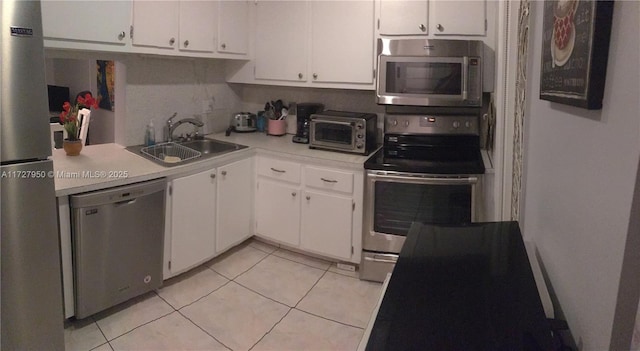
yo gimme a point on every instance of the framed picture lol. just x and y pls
(575, 48)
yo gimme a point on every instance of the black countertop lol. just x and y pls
(462, 288)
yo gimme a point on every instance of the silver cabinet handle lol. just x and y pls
(329, 180)
(308, 197)
(212, 176)
(422, 27)
(172, 41)
(315, 76)
(439, 27)
(224, 173)
(186, 43)
(121, 35)
(278, 170)
(223, 46)
(300, 75)
(294, 194)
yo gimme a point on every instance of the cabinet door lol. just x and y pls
(94, 21)
(326, 224)
(193, 210)
(403, 17)
(198, 25)
(281, 45)
(234, 205)
(459, 17)
(278, 212)
(233, 24)
(155, 23)
(342, 41)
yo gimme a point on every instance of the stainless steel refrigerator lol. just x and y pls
(30, 288)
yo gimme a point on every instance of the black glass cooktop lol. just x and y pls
(428, 154)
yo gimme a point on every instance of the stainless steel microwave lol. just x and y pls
(430, 72)
(352, 132)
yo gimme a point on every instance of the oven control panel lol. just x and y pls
(431, 124)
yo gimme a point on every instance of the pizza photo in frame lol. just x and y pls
(575, 49)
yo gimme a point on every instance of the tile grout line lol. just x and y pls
(272, 327)
(206, 332)
(198, 299)
(329, 319)
(313, 286)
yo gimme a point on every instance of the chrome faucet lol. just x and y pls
(171, 126)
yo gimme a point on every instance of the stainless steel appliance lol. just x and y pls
(430, 72)
(428, 171)
(304, 111)
(244, 122)
(353, 132)
(31, 296)
(118, 237)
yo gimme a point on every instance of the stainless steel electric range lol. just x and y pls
(428, 171)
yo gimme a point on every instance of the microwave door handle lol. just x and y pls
(465, 77)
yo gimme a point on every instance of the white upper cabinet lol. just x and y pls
(233, 23)
(155, 23)
(105, 22)
(403, 17)
(342, 41)
(459, 17)
(432, 18)
(281, 46)
(198, 25)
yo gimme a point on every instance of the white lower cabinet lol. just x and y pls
(312, 208)
(192, 207)
(278, 211)
(327, 224)
(234, 211)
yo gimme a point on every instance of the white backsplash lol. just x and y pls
(156, 88)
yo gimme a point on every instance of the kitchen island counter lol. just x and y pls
(461, 288)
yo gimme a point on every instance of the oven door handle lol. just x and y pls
(420, 179)
(465, 77)
(382, 258)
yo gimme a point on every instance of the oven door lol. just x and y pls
(332, 134)
(429, 81)
(396, 199)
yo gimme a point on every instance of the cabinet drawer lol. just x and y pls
(278, 169)
(329, 179)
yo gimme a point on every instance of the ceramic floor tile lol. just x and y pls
(82, 336)
(134, 313)
(261, 245)
(280, 279)
(103, 347)
(237, 260)
(189, 287)
(343, 299)
(304, 259)
(301, 331)
(235, 316)
(335, 269)
(172, 332)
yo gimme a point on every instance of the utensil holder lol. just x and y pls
(277, 127)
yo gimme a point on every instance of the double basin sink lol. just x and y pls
(178, 153)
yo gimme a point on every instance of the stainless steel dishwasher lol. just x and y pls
(118, 237)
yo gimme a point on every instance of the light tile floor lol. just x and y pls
(254, 297)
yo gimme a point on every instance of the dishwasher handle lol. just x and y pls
(120, 195)
(126, 202)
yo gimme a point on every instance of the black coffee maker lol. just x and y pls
(304, 111)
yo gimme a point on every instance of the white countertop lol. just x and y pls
(107, 165)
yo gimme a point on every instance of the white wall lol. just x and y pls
(580, 170)
(158, 87)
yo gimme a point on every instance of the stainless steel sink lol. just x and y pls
(173, 154)
(208, 146)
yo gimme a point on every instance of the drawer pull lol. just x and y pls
(329, 180)
(278, 170)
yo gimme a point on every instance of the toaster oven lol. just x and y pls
(352, 132)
